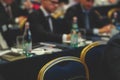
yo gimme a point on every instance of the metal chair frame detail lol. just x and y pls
(84, 52)
(53, 62)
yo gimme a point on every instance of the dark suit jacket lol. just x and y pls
(40, 28)
(112, 58)
(76, 10)
(16, 11)
(10, 35)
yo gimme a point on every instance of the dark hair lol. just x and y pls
(65, 1)
(90, 0)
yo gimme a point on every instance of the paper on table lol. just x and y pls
(38, 51)
(47, 44)
(45, 50)
(4, 52)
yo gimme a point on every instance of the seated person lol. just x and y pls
(112, 58)
(88, 19)
(45, 28)
(10, 15)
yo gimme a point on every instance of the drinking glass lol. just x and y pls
(20, 42)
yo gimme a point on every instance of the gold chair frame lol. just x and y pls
(110, 12)
(84, 52)
(53, 62)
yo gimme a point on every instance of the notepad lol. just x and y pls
(13, 56)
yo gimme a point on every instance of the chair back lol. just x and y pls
(63, 68)
(92, 58)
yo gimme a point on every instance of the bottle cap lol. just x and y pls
(74, 19)
(115, 14)
(75, 26)
(27, 23)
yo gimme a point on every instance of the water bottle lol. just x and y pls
(116, 23)
(27, 46)
(74, 33)
(114, 18)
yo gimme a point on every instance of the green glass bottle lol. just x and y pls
(27, 46)
(74, 33)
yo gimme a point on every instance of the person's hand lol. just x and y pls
(68, 37)
(106, 29)
(28, 5)
(21, 20)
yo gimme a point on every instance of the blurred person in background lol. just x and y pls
(31, 5)
(88, 19)
(118, 4)
(44, 27)
(61, 10)
(11, 17)
(112, 1)
(73, 2)
(105, 2)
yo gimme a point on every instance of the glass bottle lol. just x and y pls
(116, 20)
(74, 33)
(27, 46)
(115, 30)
